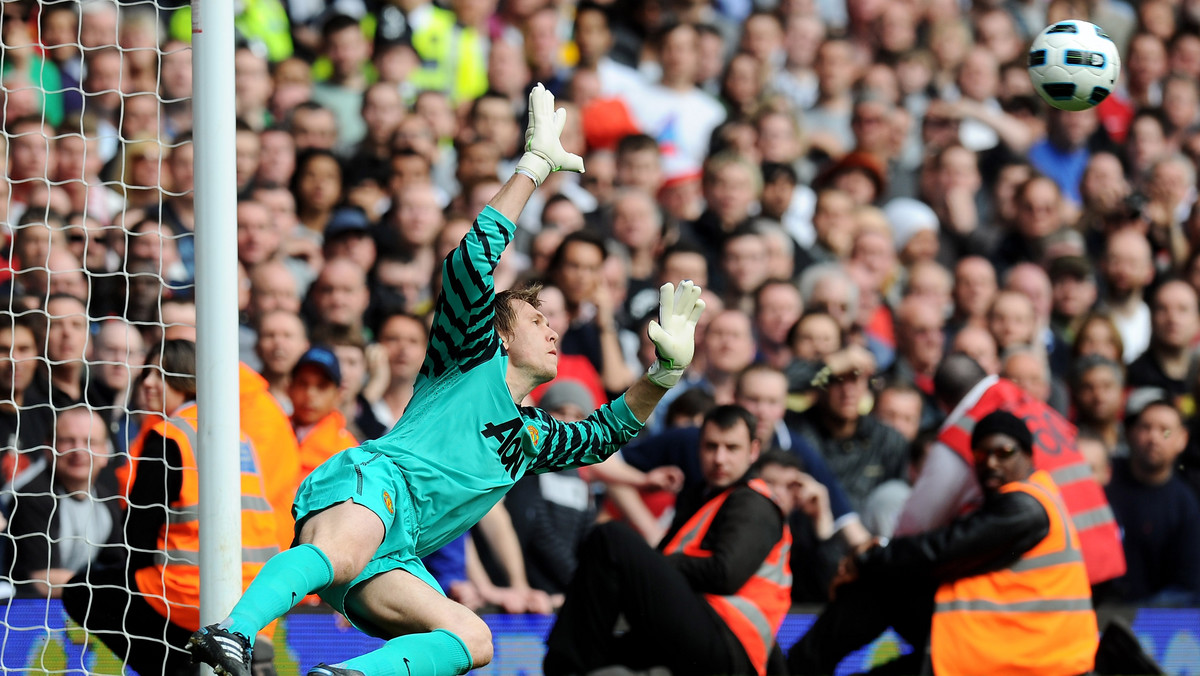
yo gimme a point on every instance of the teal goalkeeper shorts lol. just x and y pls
(375, 482)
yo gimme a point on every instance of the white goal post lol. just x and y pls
(216, 306)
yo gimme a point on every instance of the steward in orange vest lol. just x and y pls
(322, 441)
(159, 595)
(172, 583)
(270, 432)
(711, 600)
(1012, 592)
(1033, 616)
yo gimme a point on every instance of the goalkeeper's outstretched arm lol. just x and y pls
(544, 154)
(511, 199)
(462, 332)
(674, 338)
(612, 425)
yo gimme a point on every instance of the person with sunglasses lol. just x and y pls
(1000, 590)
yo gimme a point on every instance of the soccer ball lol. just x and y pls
(1074, 65)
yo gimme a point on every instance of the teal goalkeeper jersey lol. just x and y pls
(462, 442)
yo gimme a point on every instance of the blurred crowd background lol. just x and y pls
(856, 182)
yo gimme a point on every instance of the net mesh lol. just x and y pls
(96, 275)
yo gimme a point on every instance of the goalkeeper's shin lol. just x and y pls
(436, 653)
(286, 579)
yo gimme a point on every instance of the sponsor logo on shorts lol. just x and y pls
(533, 433)
(387, 502)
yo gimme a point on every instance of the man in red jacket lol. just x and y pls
(946, 486)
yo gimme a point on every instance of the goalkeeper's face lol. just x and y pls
(533, 345)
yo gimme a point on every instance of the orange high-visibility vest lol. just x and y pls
(270, 430)
(127, 473)
(327, 438)
(1054, 451)
(172, 585)
(1034, 617)
(755, 612)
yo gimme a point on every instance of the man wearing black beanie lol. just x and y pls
(995, 443)
(1009, 590)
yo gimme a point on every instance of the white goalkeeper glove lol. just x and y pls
(544, 153)
(674, 334)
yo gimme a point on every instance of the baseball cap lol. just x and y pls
(393, 28)
(324, 359)
(346, 220)
(679, 169)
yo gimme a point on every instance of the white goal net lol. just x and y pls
(97, 271)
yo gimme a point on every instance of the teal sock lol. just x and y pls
(285, 579)
(436, 653)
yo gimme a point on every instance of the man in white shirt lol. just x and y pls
(675, 111)
(593, 35)
(1128, 268)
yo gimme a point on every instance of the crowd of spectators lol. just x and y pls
(860, 187)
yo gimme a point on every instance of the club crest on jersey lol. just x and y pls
(387, 502)
(533, 433)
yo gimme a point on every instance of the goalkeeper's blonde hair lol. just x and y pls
(505, 316)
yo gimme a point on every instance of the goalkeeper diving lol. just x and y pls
(367, 515)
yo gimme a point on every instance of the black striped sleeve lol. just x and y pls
(586, 442)
(462, 331)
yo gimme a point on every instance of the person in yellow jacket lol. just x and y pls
(144, 612)
(1005, 586)
(315, 391)
(259, 22)
(453, 51)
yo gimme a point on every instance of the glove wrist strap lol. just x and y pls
(663, 375)
(535, 165)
